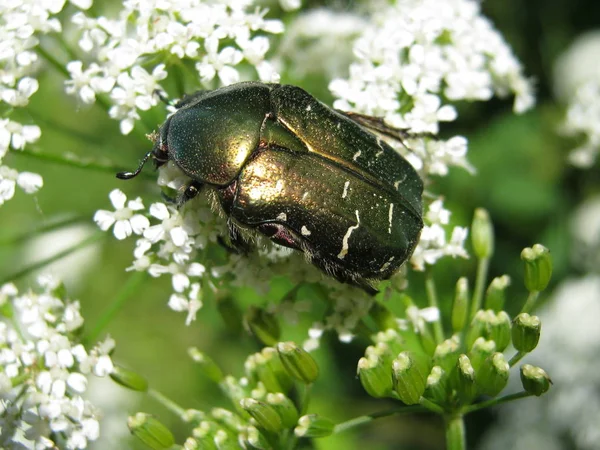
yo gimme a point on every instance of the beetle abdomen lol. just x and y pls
(339, 218)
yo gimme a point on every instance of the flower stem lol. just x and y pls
(357, 421)
(132, 285)
(167, 403)
(515, 359)
(53, 225)
(495, 401)
(44, 262)
(531, 299)
(482, 270)
(438, 330)
(455, 432)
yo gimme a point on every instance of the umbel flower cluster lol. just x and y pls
(44, 370)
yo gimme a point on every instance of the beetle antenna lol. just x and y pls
(129, 175)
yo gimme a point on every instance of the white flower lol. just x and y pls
(9, 178)
(124, 218)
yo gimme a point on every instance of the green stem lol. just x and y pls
(44, 262)
(131, 286)
(71, 162)
(531, 299)
(455, 432)
(482, 271)
(26, 235)
(515, 359)
(305, 398)
(167, 403)
(438, 330)
(357, 421)
(431, 406)
(61, 68)
(495, 401)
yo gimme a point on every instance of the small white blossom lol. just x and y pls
(10, 178)
(124, 219)
(44, 372)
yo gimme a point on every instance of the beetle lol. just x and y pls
(308, 177)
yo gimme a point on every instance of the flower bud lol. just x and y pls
(410, 371)
(460, 305)
(256, 439)
(263, 325)
(464, 380)
(226, 441)
(500, 331)
(526, 331)
(446, 354)
(492, 376)
(480, 351)
(204, 434)
(314, 426)
(437, 386)
(227, 419)
(495, 295)
(285, 408)
(538, 267)
(150, 431)
(375, 376)
(129, 379)
(297, 362)
(534, 379)
(207, 365)
(482, 234)
(264, 414)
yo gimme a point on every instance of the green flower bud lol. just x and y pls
(227, 419)
(534, 379)
(492, 376)
(410, 371)
(464, 380)
(500, 330)
(538, 267)
(150, 431)
(226, 441)
(230, 312)
(391, 339)
(526, 332)
(314, 426)
(446, 354)
(480, 351)
(192, 444)
(264, 367)
(495, 295)
(265, 415)
(460, 305)
(256, 439)
(129, 379)
(207, 365)
(479, 327)
(375, 376)
(285, 408)
(205, 433)
(263, 325)
(437, 386)
(297, 362)
(482, 234)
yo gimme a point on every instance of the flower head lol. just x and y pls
(124, 218)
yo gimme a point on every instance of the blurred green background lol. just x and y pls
(522, 179)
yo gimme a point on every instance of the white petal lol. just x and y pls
(30, 182)
(117, 198)
(154, 233)
(180, 282)
(177, 302)
(159, 210)
(228, 75)
(139, 223)
(77, 382)
(122, 229)
(196, 270)
(7, 190)
(104, 219)
(178, 236)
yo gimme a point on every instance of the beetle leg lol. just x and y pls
(378, 126)
(237, 244)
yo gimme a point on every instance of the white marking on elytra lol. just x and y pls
(380, 152)
(346, 184)
(308, 108)
(344, 251)
(282, 216)
(279, 185)
(390, 215)
(305, 231)
(339, 125)
(401, 180)
(305, 195)
(356, 155)
(386, 264)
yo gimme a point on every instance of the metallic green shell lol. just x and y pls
(211, 137)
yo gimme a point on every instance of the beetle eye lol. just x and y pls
(190, 192)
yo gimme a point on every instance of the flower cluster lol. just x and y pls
(414, 57)
(44, 370)
(21, 25)
(214, 38)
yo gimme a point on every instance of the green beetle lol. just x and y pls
(306, 176)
